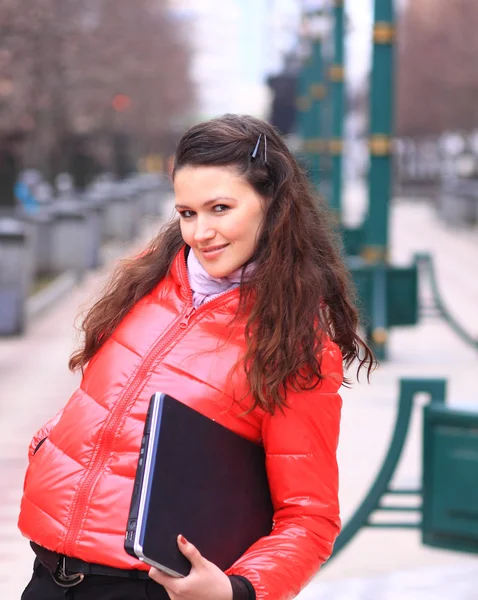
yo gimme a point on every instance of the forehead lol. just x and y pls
(202, 182)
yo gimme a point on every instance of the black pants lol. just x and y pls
(93, 587)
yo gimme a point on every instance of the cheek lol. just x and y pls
(254, 227)
(185, 231)
(246, 229)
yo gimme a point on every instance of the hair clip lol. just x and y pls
(254, 153)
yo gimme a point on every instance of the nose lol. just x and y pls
(203, 232)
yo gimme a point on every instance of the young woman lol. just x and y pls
(240, 308)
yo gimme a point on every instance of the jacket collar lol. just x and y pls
(179, 273)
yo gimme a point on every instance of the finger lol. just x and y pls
(190, 552)
(166, 580)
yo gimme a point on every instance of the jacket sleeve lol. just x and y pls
(300, 445)
(43, 433)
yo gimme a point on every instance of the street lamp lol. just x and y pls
(121, 103)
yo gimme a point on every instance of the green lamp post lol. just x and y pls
(317, 93)
(336, 78)
(312, 92)
(381, 125)
(303, 112)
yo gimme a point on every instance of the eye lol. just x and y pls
(186, 214)
(219, 208)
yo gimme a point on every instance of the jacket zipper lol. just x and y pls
(109, 433)
(218, 296)
(108, 436)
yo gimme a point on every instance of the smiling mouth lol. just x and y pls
(213, 249)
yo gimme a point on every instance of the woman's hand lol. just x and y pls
(204, 582)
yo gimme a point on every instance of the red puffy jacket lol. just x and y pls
(79, 482)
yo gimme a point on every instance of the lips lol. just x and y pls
(211, 249)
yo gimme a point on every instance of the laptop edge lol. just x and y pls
(148, 471)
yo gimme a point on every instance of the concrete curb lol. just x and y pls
(45, 298)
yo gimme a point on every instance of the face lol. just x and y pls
(221, 216)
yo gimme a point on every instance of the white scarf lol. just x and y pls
(204, 286)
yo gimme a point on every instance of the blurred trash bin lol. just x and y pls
(153, 194)
(15, 273)
(31, 224)
(42, 222)
(159, 186)
(458, 201)
(72, 239)
(123, 213)
(64, 184)
(39, 223)
(100, 196)
(96, 211)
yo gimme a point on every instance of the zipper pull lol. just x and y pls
(187, 315)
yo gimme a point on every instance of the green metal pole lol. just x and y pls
(316, 95)
(303, 110)
(336, 76)
(327, 116)
(381, 124)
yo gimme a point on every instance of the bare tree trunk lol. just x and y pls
(437, 67)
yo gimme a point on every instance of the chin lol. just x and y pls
(219, 271)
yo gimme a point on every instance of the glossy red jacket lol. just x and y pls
(79, 482)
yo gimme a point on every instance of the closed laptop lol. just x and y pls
(197, 478)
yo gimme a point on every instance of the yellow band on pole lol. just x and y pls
(374, 254)
(336, 73)
(336, 146)
(303, 103)
(379, 335)
(383, 33)
(317, 145)
(318, 91)
(380, 145)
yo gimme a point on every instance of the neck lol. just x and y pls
(204, 286)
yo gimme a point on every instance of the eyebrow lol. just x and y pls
(209, 202)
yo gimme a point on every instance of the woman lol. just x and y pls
(241, 308)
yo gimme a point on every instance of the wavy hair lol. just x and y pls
(299, 292)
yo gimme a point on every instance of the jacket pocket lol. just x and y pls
(39, 445)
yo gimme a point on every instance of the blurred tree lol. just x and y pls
(63, 63)
(437, 67)
(9, 168)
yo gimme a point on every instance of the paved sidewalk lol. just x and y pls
(457, 582)
(379, 564)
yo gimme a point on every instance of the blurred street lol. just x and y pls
(379, 564)
(94, 99)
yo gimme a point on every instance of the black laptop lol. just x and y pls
(197, 478)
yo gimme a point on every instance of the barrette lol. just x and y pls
(254, 153)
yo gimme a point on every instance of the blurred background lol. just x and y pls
(377, 99)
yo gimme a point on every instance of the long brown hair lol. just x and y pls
(299, 291)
